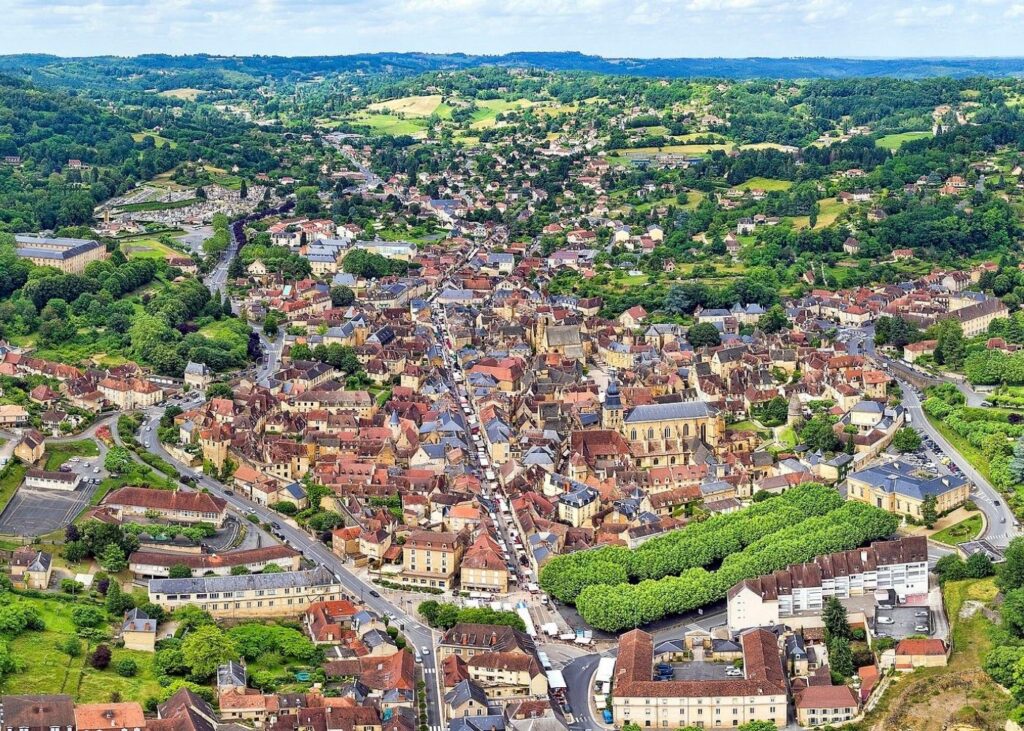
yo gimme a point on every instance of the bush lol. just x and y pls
(70, 646)
(86, 616)
(100, 658)
(126, 668)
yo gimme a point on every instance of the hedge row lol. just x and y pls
(616, 607)
(696, 545)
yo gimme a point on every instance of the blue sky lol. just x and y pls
(646, 28)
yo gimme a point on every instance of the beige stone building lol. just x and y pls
(255, 595)
(821, 705)
(483, 568)
(671, 433)
(433, 559)
(173, 505)
(760, 694)
(139, 631)
(900, 488)
(68, 255)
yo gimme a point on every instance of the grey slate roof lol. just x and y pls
(663, 412)
(206, 584)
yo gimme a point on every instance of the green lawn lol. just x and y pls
(828, 211)
(766, 184)
(47, 670)
(57, 453)
(388, 124)
(488, 110)
(148, 249)
(10, 477)
(965, 530)
(895, 141)
(159, 140)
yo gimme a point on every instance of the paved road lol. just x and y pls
(420, 635)
(998, 517)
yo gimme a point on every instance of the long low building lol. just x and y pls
(759, 695)
(51, 480)
(255, 595)
(900, 565)
(157, 564)
(176, 506)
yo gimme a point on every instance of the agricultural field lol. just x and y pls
(895, 141)
(696, 149)
(187, 93)
(488, 109)
(409, 106)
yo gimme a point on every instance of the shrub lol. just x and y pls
(100, 658)
(126, 668)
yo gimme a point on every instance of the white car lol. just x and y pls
(885, 620)
(425, 650)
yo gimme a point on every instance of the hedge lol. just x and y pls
(614, 607)
(696, 545)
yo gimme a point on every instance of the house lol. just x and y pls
(107, 716)
(432, 559)
(138, 631)
(820, 705)
(912, 653)
(632, 318)
(12, 415)
(483, 568)
(31, 567)
(466, 699)
(31, 448)
(37, 713)
(198, 375)
(913, 351)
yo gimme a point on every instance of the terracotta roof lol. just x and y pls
(144, 497)
(921, 647)
(826, 696)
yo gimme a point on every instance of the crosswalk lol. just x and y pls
(430, 671)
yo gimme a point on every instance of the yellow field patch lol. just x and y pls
(186, 93)
(410, 106)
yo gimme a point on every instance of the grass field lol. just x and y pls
(965, 530)
(895, 141)
(766, 184)
(57, 453)
(48, 670)
(10, 478)
(680, 149)
(388, 124)
(410, 106)
(186, 93)
(488, 110)
(159, 140)
(829, 210)
(148, 249)
(764, 146)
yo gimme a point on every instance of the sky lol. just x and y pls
(611, 28)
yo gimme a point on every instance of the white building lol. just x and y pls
(901, 565)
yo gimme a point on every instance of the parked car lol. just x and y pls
(885, 620)
(922, 628)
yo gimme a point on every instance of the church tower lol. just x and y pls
(611, 411)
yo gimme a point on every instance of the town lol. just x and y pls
(550, 427)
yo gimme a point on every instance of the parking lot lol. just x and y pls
(34, 512)
(905, 622)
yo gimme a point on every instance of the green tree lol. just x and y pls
(949, 348)
(179, 571)
(773, 320)
(906, 440)
(978, 566)
(342, 296)
(704, 334)
(818, 433)
(840, 656)
(204, 649)
(113, 559)
(118, 460)
(1012, 612)
(950, 568)
(929, 510)
(1010, 575)
(834, 616)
